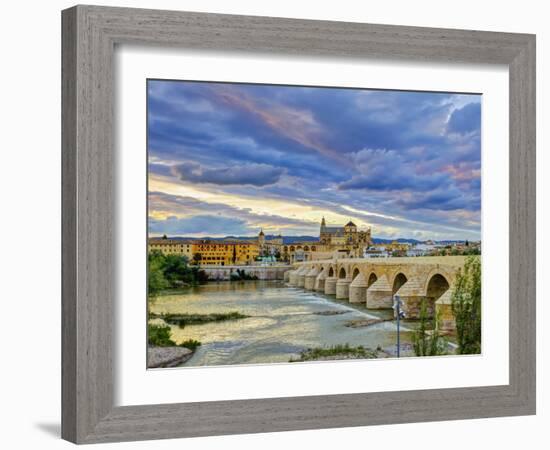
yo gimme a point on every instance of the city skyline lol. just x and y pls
(230, 159)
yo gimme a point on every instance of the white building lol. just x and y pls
(376, 251)
(421, 250)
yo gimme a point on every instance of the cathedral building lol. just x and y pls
(334, 241)
(348, 235)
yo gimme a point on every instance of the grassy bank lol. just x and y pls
(197, 319)
(336, 352)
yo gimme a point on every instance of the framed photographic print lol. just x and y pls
(256, 207)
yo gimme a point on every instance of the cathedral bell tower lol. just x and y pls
(322, 233)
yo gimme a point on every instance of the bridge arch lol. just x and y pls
(399, 280)
(372, 279)
(355, 273)
(331, 271)
(436, 287)
(342, 272)
(448, 275)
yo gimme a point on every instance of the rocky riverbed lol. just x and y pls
(167, 356)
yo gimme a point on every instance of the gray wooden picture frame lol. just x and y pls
(90, 34)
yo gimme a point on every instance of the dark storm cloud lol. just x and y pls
(199, 225)
(254, 174)
(395, 153)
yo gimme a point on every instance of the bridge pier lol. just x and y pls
(444, 312)
(301, 278)
(309, 282)
(412, 294)
(379, 295)
(320, 281)
(342, 288)
(330, 285)
(286, 276)
(358, 290)
(293, 277)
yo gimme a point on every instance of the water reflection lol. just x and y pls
(284, 321)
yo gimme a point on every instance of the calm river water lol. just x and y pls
(284, 321)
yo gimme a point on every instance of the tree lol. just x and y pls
(171, 271)
(176, 270)
(425, 344)
(197, 257)
(466, 307)
(156, 280)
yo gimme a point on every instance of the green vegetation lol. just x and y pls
(191, 344)
(241, 275)
(424, 343)
(336, 352)
(466, 306)
(171, 272)
(197, 319)
(161, 336)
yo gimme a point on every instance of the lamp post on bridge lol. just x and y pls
(397, 304)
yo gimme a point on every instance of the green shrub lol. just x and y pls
(159, 335)
(191, 344)
(466, 307)
(345, 350)
(424, 344)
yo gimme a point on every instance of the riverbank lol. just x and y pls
(182, 320)
(162, 357)
(338, 352)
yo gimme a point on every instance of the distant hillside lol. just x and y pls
(294, 239)
(400, 240)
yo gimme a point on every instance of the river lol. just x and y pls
(283, 322)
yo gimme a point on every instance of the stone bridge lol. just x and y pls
(374, 282)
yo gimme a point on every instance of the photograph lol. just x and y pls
(292, 224)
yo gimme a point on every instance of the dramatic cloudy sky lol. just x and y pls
(229, 159)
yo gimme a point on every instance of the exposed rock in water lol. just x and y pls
(330, 313)
(167, 356)
(361, 323)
